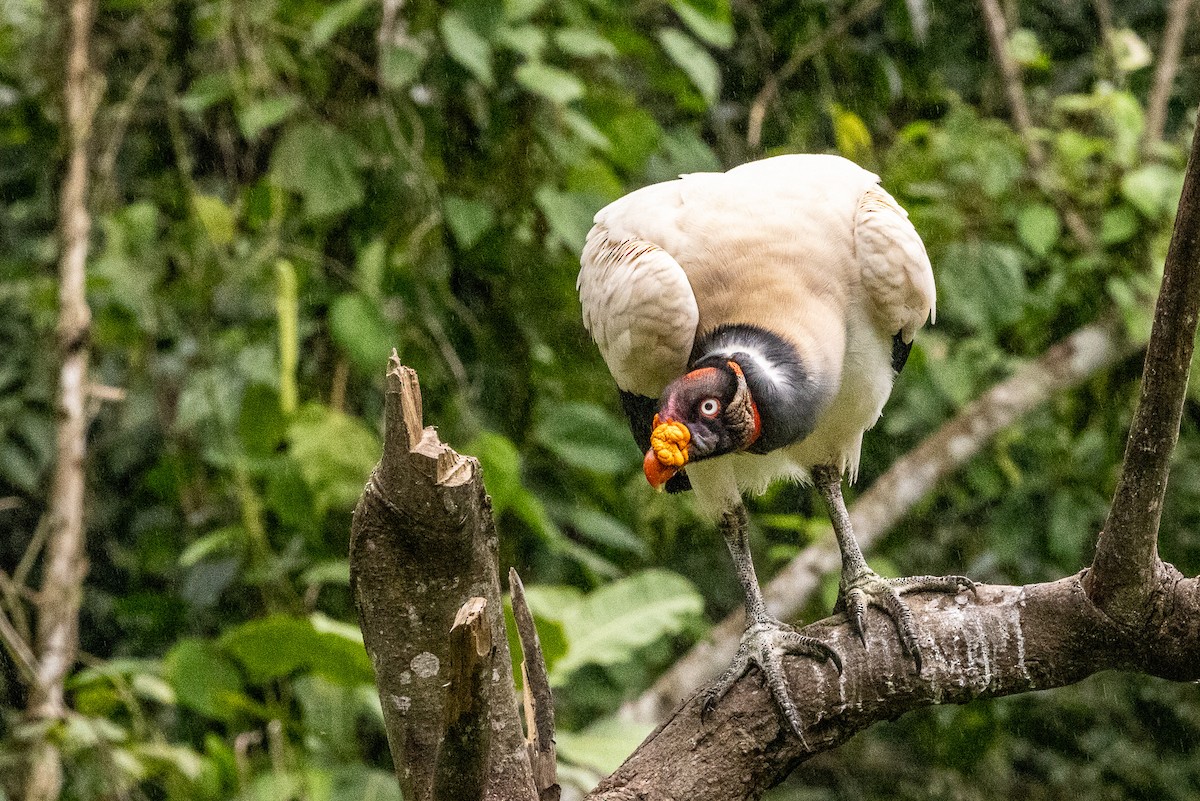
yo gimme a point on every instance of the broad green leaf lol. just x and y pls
(557, 86)
(468, 219)
(584, 43)
(694, 60)
(1039, 227)
(583, 127)
(1128, 49)
(610, 624)
(983, 284)
(278, 646)
(129, 267)
(711, 20)
(401, 64)
(204, 679)
(850, 132)
(501, 464)
(335, 18)
(370, 268)
(336, 454)
(604, 529)
(216, 218)
(602, 746)
(318, 163)
(467, 47)
(359, 328)
(1118, 224)
(522, 9)
(267, 113)
(330, 714)
(527, 40)
(206, 91)
(275, 785)
(346, 781)
(568, 213)
(553, 601)
(587, 437)
(261, 424)
(208, 395)
(330, 571)
(223, 540)
(181, 759)
(1128, 123)
(271, 648)
(1153, 189)
(681, 151)
(1026, 50)
(635, 136)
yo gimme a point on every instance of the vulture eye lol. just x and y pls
(710, 407)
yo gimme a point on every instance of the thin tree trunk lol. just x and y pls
(65, 565)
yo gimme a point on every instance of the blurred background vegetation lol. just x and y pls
(286, 189)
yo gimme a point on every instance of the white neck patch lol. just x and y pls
(765, 366)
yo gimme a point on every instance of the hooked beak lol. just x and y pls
(656, 472)
(668, 451)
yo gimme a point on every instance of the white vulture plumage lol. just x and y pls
(754, 321)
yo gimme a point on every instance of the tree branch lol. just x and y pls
(424, 574)
(65, 564)
(1010, 640)
(1014, 89)
(1085, 353)
(1165, 71)
(799, 56)
(539, 701)
(1127, 570)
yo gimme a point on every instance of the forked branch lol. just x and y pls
(1127, 572)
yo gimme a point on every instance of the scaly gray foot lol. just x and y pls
(764, 643)
(868, 588)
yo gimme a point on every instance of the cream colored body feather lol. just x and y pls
(808, 247)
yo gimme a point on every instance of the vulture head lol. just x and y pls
(705, 413)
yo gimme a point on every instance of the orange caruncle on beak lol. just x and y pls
(668, 451)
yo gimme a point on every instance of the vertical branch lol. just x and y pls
(1010, 76)
(425, 578)
(1165, 70)
(64, 568)
(539, 700)
(1127, 568)
(799, 56)
(1014, 89)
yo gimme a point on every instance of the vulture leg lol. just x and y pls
(861, 586)
(765, 640)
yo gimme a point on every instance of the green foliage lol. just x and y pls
(285, 190)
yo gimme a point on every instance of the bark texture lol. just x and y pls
(425, 578)
(1008, 640)
(65, 565)
(1127, 566)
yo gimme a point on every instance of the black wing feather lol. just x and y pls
(900, 351)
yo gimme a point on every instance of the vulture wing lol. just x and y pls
(637, 305)
(896, 273)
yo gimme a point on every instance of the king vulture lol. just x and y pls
(754, 321)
